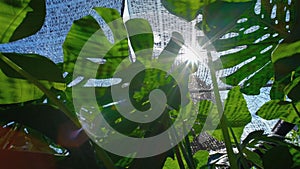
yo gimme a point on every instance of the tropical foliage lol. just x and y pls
(42, 123)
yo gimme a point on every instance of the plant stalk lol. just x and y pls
(178, 156)
(242, 159)
(223, 120)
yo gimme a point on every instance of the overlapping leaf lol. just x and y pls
(92, 45)
(286, 64)
(255, 31)
(276, 109)
(246, 32)
(18, 88)
(20, 19)
(236, 112)
(265, 152)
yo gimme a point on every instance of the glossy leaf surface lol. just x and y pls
(20, 19)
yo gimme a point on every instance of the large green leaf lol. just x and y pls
(19, 88)
(201, 159)
(15, 90)
(38, 66)
(275, 109)
(97, 45)
(20, 19)
(255, 33)
(236, 112)
(82, 41)
(245, 31)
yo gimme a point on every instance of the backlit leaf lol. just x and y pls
(275, 109)
(20, 19)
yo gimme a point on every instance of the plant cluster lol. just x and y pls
(43, 126)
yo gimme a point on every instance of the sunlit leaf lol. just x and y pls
(18, 90)
(38, 66)
(275, 109)
(20, 19)
(251, 32)
(170, 164)
(236, 112)
(201, 158)
(285, 50)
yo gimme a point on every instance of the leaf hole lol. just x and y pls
(266, 36)
(251, 29)
(230, 35)
(266, 49)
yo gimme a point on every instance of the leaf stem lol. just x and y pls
(188, 147)
(242, 159)
(223, 120)
(295, 108)
(185, 155)
(178, 156)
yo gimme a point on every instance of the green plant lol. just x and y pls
(259, 39)
(266, 46)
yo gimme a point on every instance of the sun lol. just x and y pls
(192, 56)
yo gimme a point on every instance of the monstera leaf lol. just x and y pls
(254, 34)
(20, 19)
(286, 64)
(246, 33)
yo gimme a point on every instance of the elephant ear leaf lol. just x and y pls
(245, 34)
(20, 19)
